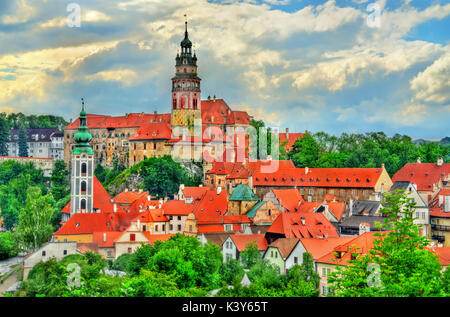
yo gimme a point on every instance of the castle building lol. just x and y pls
(135, 136)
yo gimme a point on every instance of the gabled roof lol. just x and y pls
(443, 253)
(243, 193)
(285, 246)
(152, 215)
(212, 207)
(290, 139)
(290, 198)
(102, 200)
(221, 168)
(111, 237)
(425, 175)
(195, 193)
(96, 222)
(365, 207)
(315, 225)
(320, 177)
(241, 241)
(319, 247)
(436, 209)
(361, 244)
(129, 197)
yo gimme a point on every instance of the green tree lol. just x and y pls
(23, 142)
(34, 226)
(305, 152)
(399, 258)
(7, 246)
(250, 255)
(4, 137)
(100, 172)
(59, 180)
(231, 272)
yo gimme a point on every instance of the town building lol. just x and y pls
(283, 254)
(429, 177)
(236, 243)
(440, 218)
(42, 143)
(366, 212)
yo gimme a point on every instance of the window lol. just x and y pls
(130, 250)
(83, 204)
(132, 237)
(163, 228)
(144, 228)
(325, 271)
(83, 187)
(324, 290)
(83, 168)
(156, 228)
(43, 253)
(179, 217)
(109, 254)
(65, 252)
(190, 228)
(179, 227)
(295, 260)
(170, 227)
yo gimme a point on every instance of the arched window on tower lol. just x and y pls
(174, 103)
(83, 187)
(83, 169)
(83, 204)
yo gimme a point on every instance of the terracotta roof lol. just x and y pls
(443, 253)
(95, 222)
(111, 237)
(195, 193)
(436, 209)
(238, 171)
(153, 131)
(290, 225)
(241, 241)
(85, 247)
(320, 177)
(212, 207)
(102, 200)
(424, 175)
(337, 208)
(290, 199)
(221, 168)
(320, 247)
(361, 244)
(290, 139)
(178, 208)
(285, 245)
(152, 215)
(130, 120)
(129, 197)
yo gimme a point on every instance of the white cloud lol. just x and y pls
(433, 84)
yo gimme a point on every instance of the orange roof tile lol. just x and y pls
(111, 237)
(290, 199)
(130, 120)
(424, 175)
(319, 247)
(285, 245)
(153, 131)
(436, 209)
(178, 208)
(241, 241)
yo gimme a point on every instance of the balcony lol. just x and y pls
(440, 239)
(440, 227)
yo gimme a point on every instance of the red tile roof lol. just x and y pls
(153, 131)
(152, 215)
(111, 237)
(152, 238)
(361, 244)
(436, 209)
(443, 253)
(320, 247)
(130, 120)
(95, 222)
(425, 175)
(178, 208)
(337, 209)
(102, 200)
(290, 225)
(290, 139)
(129, 197)
(241, 241)
(320, 177)
(195, 193)
(290, 199)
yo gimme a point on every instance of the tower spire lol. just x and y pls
(83, 138)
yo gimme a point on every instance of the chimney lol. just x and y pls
(447, 204)
(418, 160)
(115, 207)
(287, 133)
(140, 190)
(104, 237)
(303, 220)
(155, 113)
(149, 197)
(70, 120)
(214, 98)
(441, 200)
(382, 166)
(363, 228)
(306, 170)
(440, 161)
(209, 97)
(219, 190)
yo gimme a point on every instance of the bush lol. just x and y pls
(7, 247)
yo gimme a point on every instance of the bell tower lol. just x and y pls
(82, 177)
(186, 91)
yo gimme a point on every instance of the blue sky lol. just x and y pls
(303, 64)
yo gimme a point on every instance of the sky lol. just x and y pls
(337, 66)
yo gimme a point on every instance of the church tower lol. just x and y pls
(186, 91)
(82, 178)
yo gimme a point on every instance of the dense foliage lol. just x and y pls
(399, 263)
(7, 246)
(17, 120)
(363, 150)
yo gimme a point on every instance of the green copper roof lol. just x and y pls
(243, 192)
(83, 138)
(252, 212)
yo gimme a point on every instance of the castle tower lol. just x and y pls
(186, 91)
(82, 177)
